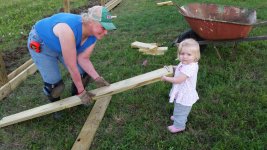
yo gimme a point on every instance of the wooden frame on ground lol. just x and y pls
(118, 87)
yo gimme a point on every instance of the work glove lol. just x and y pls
(86, 97)
(100, 82)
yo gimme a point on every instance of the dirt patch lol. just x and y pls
(17, 57)
(11, 59)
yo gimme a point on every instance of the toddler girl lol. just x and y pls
(183, 92)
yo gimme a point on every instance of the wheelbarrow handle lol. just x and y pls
(181, 10)
(260, 23)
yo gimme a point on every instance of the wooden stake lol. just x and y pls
(218, 53)
(124, 85)
(3, 74)
(102, 2)
(66, 6)
(86, 136)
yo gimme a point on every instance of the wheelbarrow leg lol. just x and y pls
(218, 53)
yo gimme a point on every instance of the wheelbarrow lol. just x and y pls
(212, 23)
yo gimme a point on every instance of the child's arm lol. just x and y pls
(177, 80)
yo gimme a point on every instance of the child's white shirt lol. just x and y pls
(185, 93)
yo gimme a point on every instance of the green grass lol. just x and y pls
(231, 112)
(16, 19)
(18, 16)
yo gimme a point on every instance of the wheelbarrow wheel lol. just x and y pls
(190, 34)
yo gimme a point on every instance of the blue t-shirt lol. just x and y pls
(44, 29)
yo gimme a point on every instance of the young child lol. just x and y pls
(183, 92)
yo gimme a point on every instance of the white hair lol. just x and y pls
(93, 14)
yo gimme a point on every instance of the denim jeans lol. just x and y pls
(47, 61)
(180, 114)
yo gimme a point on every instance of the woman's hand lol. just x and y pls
(100, 82)
(86, 97)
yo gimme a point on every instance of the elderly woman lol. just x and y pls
(69, 39)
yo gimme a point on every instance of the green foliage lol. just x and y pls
(231, 112)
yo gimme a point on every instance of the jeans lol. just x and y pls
(180, 114)
(47, 61)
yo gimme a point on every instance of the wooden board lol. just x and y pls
(165, 3)
(142, 45)
(114, 88)
(13, 83)
(157, 51)
(86, 136)
(111, 4)
(66, 6)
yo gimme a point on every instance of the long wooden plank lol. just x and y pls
(142, 45)
(14, 73)
(66, 6)
(86, 136)
(114, 88)
(165, 3)
(13, 83)
(111, 4)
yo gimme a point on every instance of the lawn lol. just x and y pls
(231, 112)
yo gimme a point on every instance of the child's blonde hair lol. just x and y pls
(190, 45)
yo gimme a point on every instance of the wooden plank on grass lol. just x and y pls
(111, 4)
(165, 3)
(86, 136)
(142, 45)
(157, 51)
(114, 88)
(13, 83)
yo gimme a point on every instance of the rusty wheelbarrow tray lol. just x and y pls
(219, 22)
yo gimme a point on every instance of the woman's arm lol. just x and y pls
(67, 42)
(86, 64)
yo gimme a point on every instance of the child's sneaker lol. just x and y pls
(172, 118)
(173, 129)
